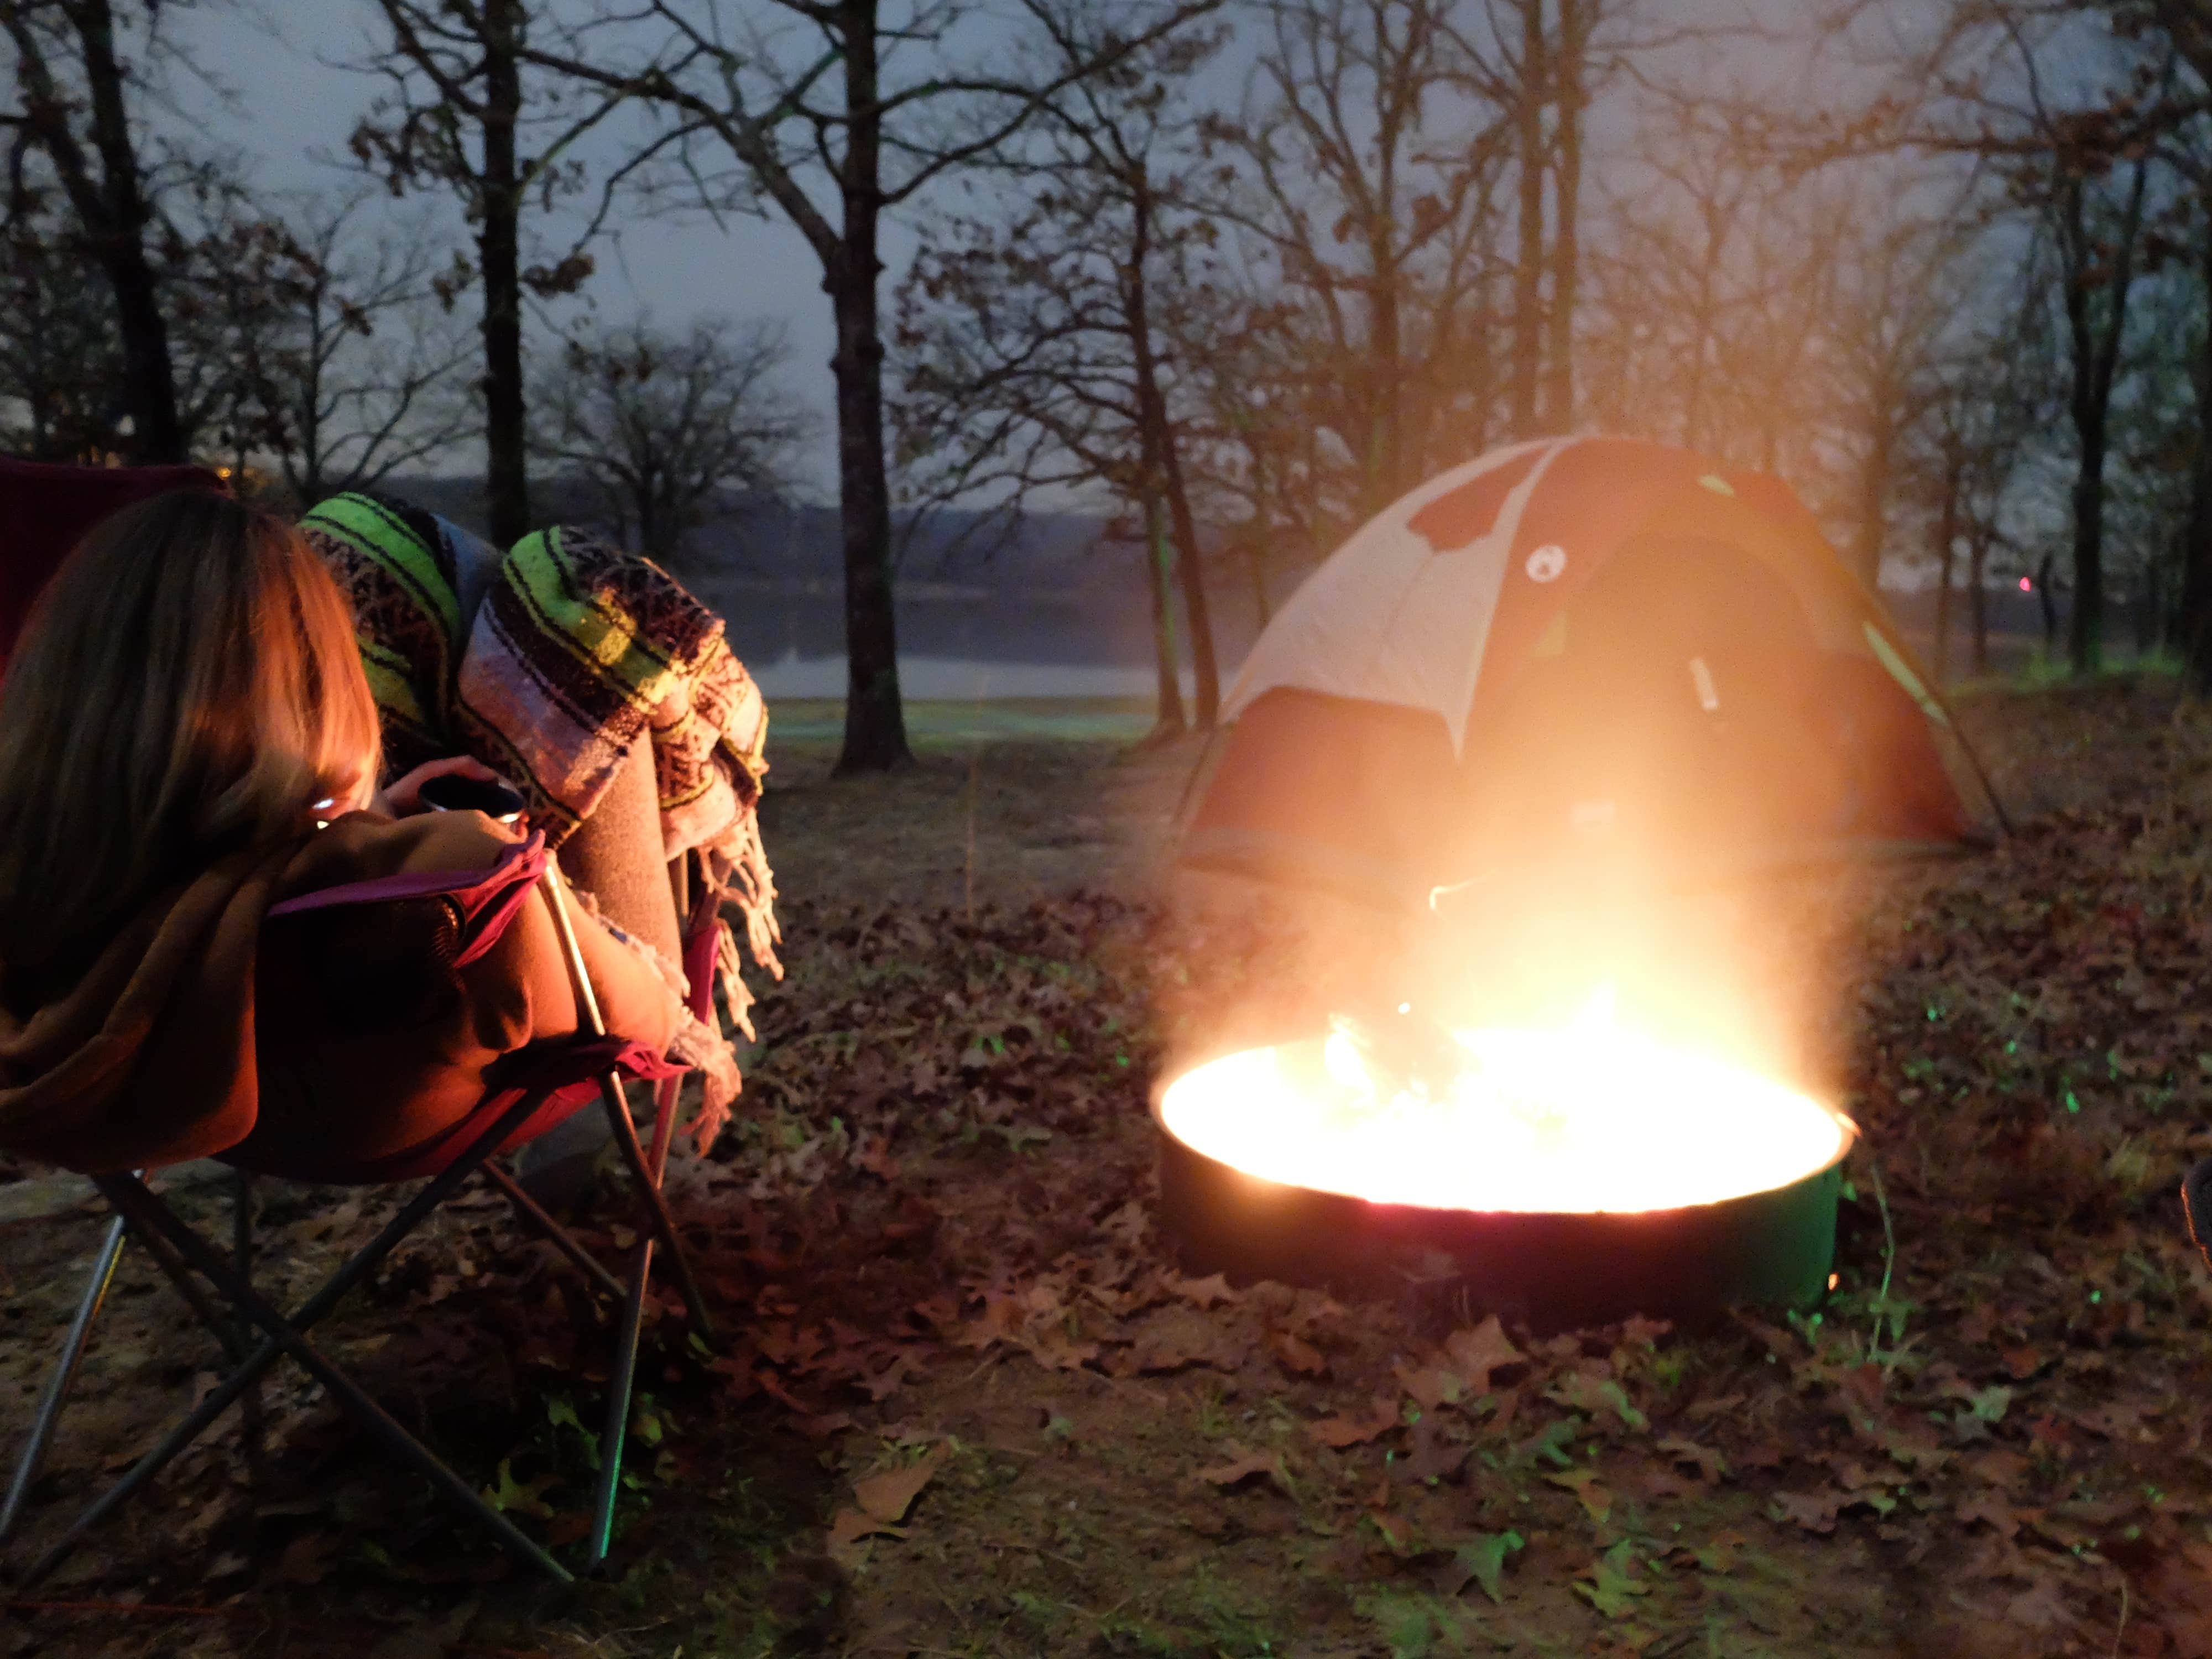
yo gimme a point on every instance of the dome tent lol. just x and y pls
(1570, 649)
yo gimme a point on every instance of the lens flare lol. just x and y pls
(1588, 1116)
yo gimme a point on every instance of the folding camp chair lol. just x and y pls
(47, 509)
(535, 1090)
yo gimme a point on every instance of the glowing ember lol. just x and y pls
(1589, 1117)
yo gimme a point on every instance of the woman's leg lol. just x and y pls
(616, 856)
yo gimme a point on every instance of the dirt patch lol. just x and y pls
(1005, 821)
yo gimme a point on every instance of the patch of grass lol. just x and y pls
(1414, 1625)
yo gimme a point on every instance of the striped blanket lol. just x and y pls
(550, 664)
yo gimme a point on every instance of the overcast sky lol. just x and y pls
(292, 107)
(293, 104)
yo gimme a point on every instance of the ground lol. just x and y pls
(969, 1406)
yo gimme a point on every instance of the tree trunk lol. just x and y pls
(157, 436)
(2085, 634)
(875, 715)
(1978, 599)
(2048, 604)
(2096, 363)
(499, 256)
(1197, 613)
(303, 459)
(1528, 271)
(1385, 453)
(1157, 555)
(2085, 640)
(114, 214)
(1874, 493)
(1163, 463)
(2195, 630)
(1255, 549)
(2150, 609)
(1481, 390)
(1946, 536)
(1566, 206)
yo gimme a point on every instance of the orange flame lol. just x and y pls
(1586, 1117)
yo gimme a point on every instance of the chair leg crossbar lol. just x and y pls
(258, 1334)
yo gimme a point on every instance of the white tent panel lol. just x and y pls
(1387, 618)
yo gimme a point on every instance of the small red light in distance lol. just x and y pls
(2026, 586)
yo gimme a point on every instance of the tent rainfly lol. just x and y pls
(1575, 650)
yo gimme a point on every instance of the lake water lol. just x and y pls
(960, 702)
(952, 679)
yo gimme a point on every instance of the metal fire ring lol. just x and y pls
(1551, 1271)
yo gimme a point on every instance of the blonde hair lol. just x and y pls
(187, 686)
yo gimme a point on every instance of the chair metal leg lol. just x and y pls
(621, 1378)
(342, 1283)
(617, 1108)
(64, 1373)
(647, 1179)
(147, 1214)
(180, 1278)
(250, 1425)
(533, 1214)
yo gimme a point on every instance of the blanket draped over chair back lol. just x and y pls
(549, 665)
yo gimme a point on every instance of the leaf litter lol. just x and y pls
(967, 1395)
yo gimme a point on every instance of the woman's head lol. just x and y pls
(188, 685)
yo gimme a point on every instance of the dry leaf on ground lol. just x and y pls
(1341, 1432)
(1243, 1466)
(887, 1497)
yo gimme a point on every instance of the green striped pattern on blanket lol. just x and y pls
(580, 651)
(398, 572)
(577, 652)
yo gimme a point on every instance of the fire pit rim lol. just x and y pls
(1851, 1137)
(1556, 1269)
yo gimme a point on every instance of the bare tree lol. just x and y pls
(221, 277)
(2047, 99)
(663, 425)
(1987, 400)
(2101, 250)
(805, 97)
(361, 376)
(1901, 289)
(459, 115)
(1713, 297)
(2185, 148)
(1039, 354)
(75, 88)
(61, 361)
(1254, 460)
(1552, 59)
(1371, 149)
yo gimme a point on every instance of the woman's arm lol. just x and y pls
(529, 964)
(519, 991)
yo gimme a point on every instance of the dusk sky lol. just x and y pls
(291, 103)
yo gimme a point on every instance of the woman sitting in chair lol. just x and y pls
(188, 740)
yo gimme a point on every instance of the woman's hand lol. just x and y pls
(403, 800)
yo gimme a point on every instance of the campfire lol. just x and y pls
(1581, 1172)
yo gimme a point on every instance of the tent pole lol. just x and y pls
(1981, 772)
